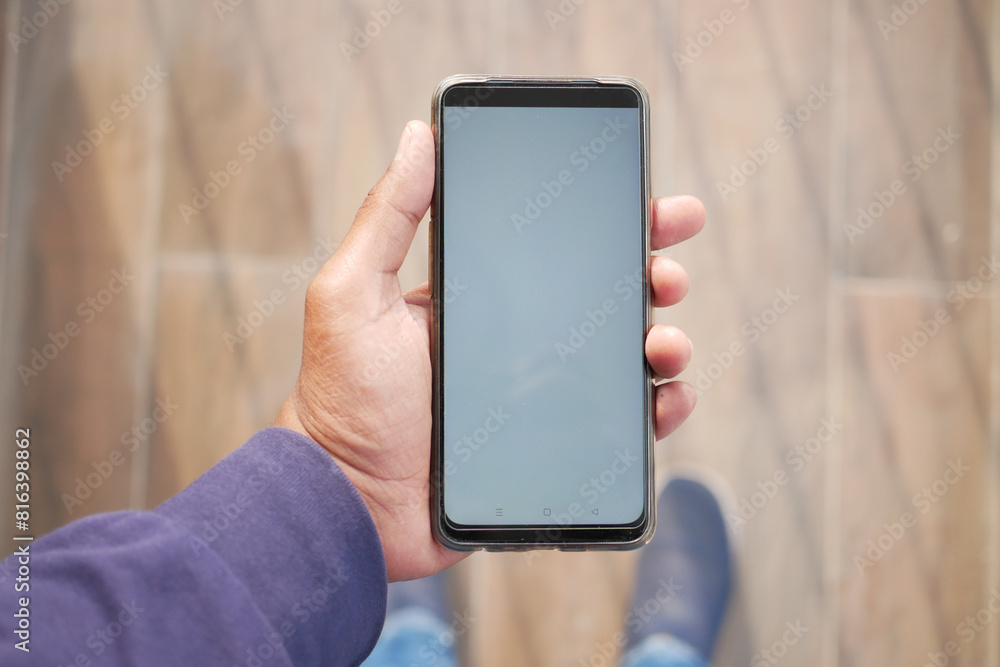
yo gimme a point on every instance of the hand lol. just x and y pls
(364, 388)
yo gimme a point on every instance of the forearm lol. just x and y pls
(269, 558)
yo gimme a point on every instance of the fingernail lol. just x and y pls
(404, 142)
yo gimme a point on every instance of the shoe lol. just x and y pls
(684, 577)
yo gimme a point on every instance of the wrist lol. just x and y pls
(288, 417)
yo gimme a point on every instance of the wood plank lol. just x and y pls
(240, 159)
(8, 82)
(71, 231)
(241, 130)
(907, 88)
(227, 364)
(764, 250)
(905, 423)
(915, 542)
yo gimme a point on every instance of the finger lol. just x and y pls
(669, 280)
(419, 295)
(419, 300)
(676, 219)
(668, 350)
(674, 402)
(387, 220)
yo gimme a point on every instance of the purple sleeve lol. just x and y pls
(269, 559)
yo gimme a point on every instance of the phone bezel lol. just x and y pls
(557, 91)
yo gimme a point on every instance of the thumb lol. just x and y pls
(387, 220)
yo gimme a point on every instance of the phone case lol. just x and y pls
(438, 518)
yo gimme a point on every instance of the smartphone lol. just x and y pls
(539, 255)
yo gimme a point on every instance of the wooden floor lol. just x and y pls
(870, 218)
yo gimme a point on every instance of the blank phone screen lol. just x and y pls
(542, 312)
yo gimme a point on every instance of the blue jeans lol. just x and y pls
(416, 638)
(663, 651)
